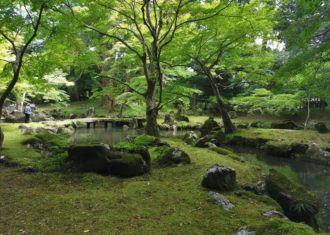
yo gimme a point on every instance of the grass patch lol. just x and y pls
(21, 149)
(286, 137)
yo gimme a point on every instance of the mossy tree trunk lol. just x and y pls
(229, 126)
(206, 71)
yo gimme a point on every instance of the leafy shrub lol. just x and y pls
(263, 101)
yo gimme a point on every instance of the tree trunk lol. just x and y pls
(229, 126)
(308, 113)
(151, 111)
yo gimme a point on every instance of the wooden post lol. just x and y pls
(88, 125)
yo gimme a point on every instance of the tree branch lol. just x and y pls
(127, 85)
(10, 41)
(114, 37)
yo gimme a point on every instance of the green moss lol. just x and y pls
(145, 140)
(14, 147)
(225, 152)
(284, 137)
(282, 227)
(127, 166)
(297, 192)
(221, 150)
(170, 200)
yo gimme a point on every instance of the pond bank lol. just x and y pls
(314, 177)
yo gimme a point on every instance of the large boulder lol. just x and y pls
(190, 137)
(2, 137)
(90, 158)
(220, 178)
(142, 151)
(127, 164)
(171, 156)
(100, 158)
(208, 126)
(321, 127)
(284, 125)
(297, 203)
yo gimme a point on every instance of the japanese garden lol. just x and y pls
(165, 117)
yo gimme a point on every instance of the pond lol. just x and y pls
(112, 135)
(314, 177)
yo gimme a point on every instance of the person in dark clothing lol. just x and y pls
(27, 113)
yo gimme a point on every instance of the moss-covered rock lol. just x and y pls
(209, 125)
(126, 165)
(190, 137)
(167, 156)
(203, 141)
(142, 151)
(100, 158)
(89, 158)
(220, 178)
(297, 203)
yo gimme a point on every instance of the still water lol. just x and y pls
(112, 135)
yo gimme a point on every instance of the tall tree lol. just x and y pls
(146, 28)
(220, 45)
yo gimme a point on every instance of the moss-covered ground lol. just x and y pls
(286, 137)
(168, 201)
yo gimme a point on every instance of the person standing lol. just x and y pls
(27, 113)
